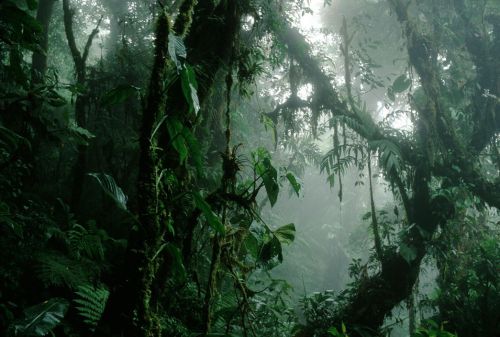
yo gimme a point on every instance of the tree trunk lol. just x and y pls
(39, 59)
(81, 102)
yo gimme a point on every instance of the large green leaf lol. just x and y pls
(285, 234)
(212, 218)
(293, 181)
(271, 249)
(189, 88)
(270, 178)
(40, 319)
(110, 187)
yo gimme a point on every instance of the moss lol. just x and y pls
(185, 17)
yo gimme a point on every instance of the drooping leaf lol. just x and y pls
(110, 187)
(176, 50)
(212, 218)
(190, 88)
(40, 319)
(270, 178)
(293, 181)
(175, 131)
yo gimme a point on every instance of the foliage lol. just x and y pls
(90, 303)
(187, 230)
(40, 319)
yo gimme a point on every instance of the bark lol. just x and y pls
(81, 101)
(39, 59)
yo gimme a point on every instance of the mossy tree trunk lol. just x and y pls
(39, 59)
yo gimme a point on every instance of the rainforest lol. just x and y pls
(250, 168)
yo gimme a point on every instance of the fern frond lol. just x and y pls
(389, 155)
(86, 242)
(91, 302)
(54, 269)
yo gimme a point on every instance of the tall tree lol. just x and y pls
(39, 59)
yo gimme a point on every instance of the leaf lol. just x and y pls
(119, 95)
(175, 131)
(212, 219)
(285, 234)
(401, 84)
(251, 245)
(293, 181)
(389, 154)
(270, 178)
(176, 50)
(271, 249)
(91, 302)
(40, 319)
(194, 149)
(269, 124)
(110, 187)
(407, 252)
(189, 88)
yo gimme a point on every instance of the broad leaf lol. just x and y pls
(270, 178)
(40, 319)
(176, 133)
(270, 250)
(285, 234)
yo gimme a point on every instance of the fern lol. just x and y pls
(389, 155)
(85, 242)
(91, 302)
(54, 269)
